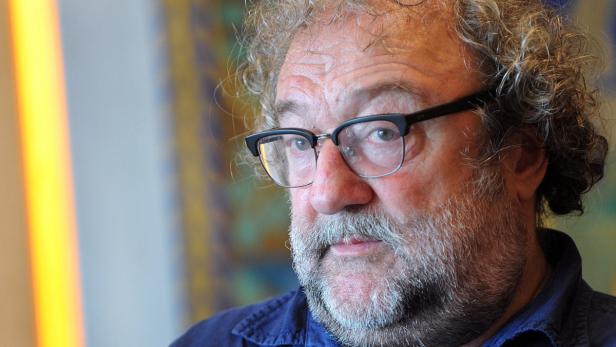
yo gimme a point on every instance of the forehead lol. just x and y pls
(415, 47)
(383, 26)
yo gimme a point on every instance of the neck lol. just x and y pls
(535, 273)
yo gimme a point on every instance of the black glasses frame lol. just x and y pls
(403, 121)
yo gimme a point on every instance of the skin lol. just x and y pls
(336, 71)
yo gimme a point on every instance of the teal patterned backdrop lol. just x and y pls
(260, 219)
(595, 231)
(234, 228)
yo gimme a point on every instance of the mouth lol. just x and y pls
(354, 246)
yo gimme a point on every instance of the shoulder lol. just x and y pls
(602, 320)
(219, 330)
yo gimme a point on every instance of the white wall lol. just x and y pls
(123, 170)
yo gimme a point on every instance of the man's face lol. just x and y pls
(419, 256)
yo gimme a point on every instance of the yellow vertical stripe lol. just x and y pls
(45, 144)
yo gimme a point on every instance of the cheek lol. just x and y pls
(300, 204)
(435, 170)
(421, 186)
(402, 195)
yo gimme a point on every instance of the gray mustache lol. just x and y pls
(328, 230)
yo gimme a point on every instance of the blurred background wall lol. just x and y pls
(171, 228)
(123, 165)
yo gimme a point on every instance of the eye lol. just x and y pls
(348, 152)
(299, 144)
(383, 134)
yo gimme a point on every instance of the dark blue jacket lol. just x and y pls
(567, 312)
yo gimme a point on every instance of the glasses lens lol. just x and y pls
(289, 159)
(373, 148)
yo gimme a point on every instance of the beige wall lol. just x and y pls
(16, 308)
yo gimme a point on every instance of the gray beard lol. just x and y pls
(444, 277)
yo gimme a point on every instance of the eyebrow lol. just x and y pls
(287, 106)
(373, 91)
(367, 94)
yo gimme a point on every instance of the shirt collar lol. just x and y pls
(284, 321)
(555, 312)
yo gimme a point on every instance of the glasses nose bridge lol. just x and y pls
(323, 137)
(319, 143)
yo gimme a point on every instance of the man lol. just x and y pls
(421, 143)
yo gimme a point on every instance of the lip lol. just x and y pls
(354, 247)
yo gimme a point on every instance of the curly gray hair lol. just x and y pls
(532, 56)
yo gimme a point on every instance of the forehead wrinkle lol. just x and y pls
(298, 92)
(410, 72)
(304, 70)
(396, 45)
(327, 60)
(378, 80)
(308, 47)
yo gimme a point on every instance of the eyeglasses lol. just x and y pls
(372, 146)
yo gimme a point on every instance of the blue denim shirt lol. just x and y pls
(567, 312)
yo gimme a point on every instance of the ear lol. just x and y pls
(524, 165)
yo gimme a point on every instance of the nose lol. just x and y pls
(335, 186)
